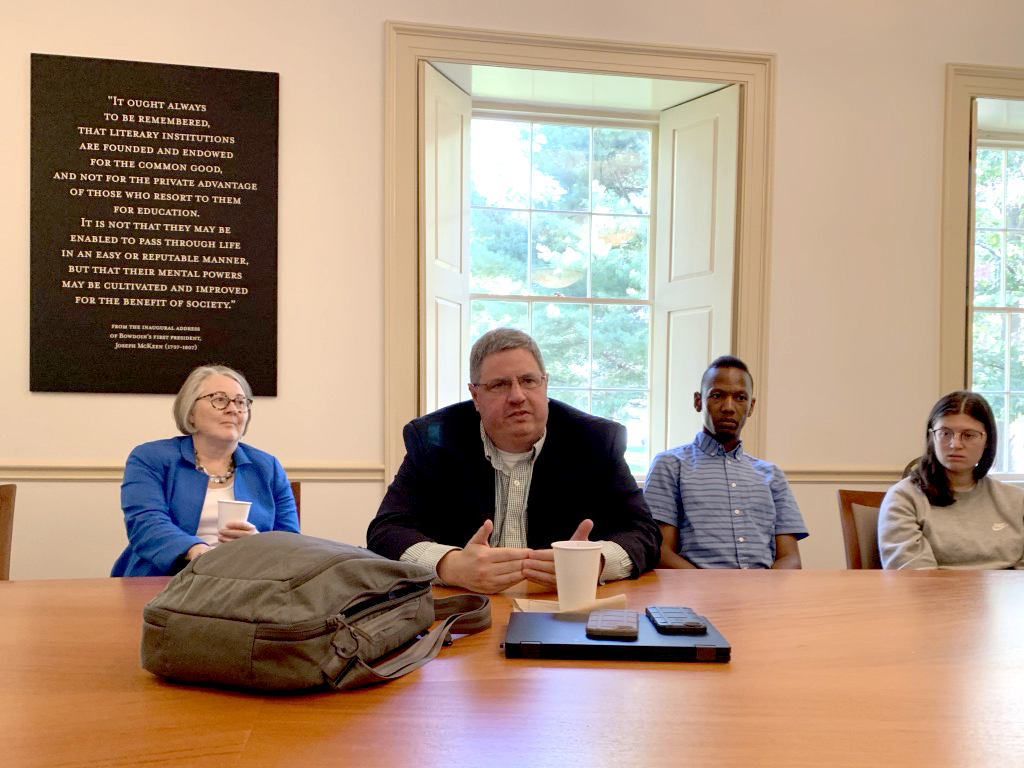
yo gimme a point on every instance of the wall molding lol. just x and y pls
(842, 476)
(105, 473)
(374, 473)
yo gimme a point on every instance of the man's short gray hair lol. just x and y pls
(499, 340)
(186, 398)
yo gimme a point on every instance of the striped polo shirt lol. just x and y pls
(728, 506)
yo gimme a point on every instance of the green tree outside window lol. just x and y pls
(559, 247)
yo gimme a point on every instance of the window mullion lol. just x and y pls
(567, 215)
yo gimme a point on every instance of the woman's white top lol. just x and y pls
(208, 518)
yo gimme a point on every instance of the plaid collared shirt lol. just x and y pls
(511, 490)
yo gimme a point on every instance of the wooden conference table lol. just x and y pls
(830, 668)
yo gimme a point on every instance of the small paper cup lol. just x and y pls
(234, 511)
(577, 567)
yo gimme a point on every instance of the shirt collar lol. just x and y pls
(712, 447)
(491, 450)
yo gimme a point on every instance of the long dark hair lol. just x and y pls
(928, 474)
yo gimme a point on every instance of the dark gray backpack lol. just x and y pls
(285, 611)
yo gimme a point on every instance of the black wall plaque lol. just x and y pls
(154, 224)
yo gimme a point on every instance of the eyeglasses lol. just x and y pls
(504, 386)
(220, 400)
(967, 436)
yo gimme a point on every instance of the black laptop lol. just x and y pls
(564, 636)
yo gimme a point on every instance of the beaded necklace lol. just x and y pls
(220, 479)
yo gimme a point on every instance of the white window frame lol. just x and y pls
(964, 84)
(410, 44)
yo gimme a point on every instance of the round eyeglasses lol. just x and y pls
(220, 400)
(968, 437)
(504, 386)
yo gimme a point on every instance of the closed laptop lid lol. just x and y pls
(564, 636)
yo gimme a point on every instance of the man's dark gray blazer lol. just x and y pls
(444, 489)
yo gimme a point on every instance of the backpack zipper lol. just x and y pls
(307, 630)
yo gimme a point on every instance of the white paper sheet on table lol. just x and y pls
(526, 605)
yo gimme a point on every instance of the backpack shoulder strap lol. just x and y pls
(473, 612)
(463, 614)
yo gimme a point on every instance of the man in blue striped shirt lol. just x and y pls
(716, 506)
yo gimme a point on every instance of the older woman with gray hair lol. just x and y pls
(172, 487)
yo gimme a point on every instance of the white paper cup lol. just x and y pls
(233, 511)
(577, 566)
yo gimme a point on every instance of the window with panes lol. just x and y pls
(560, 237)
(997, 306)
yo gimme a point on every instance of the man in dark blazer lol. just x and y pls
(487, 486)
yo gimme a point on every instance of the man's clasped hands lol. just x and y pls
(482, 568)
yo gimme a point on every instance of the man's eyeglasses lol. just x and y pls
(504, 386)
(967, 436)
(220, 400)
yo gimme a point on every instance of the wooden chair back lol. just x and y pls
(297, 493)
(7, 493)
(858, 514)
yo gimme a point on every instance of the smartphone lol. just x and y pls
(676, 620)
(613, 625)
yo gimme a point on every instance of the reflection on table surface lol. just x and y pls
(829, 668)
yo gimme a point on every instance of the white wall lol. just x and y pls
(853, 356)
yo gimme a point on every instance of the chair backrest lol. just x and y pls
(858, 513)
(910, 466)
(297, 493)
(7, 493)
